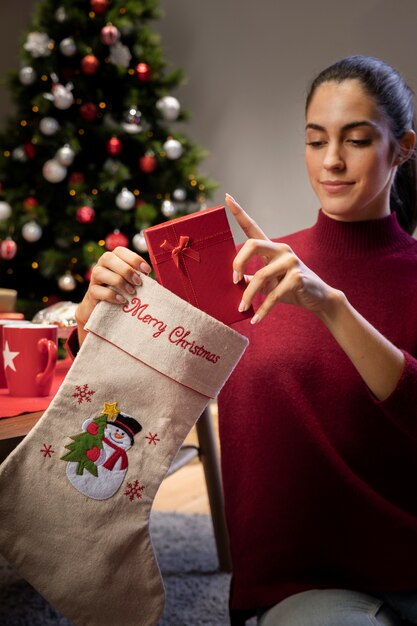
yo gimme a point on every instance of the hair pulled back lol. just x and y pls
(396, 101)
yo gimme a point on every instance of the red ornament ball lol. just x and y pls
(109, 35)
(99, 6)
(116, 238)
(76, 178)
(88, 273)
(29, 150)
(143, 72)
(90, 64)
(30, 202)
(89, 111)
(147, 164)
(85, 215)
(114, 146)
(8, 249)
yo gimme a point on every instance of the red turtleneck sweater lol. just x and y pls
(320, 479)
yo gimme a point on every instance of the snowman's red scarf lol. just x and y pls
(118, 453)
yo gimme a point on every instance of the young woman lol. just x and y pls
(318, 423)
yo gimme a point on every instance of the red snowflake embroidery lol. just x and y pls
(83, 393)
(152, 438)
(134, 490)
(47, 450)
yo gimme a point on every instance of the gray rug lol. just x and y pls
(196, 593)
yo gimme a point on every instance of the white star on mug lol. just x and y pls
(9, 357)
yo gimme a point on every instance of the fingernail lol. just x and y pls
(231, 197)
(242, 306)
(121, 299)
(236, 277)
(137, 279)
(255, 319)
(130, 288)
(144, 267)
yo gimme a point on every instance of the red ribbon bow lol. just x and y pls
(181, 248)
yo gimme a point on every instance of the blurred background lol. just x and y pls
(248, 66)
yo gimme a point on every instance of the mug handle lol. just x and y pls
(49, 346)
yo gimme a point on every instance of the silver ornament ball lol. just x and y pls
(53, 171)
(67, 282)
(67, 47)
(169, 108)
(179, 195)
(27, 75)
(168, 208)
(60, 15)
(173, 149)
(48, 126)
(5, 210)
(31, 231)
(139, 242)
(125, 200)
(19, 154)
(65, 155)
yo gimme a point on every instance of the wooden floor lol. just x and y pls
(185, 491)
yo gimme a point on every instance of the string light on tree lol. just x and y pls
(31, 231)
(125, 199)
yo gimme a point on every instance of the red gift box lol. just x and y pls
(192, 256)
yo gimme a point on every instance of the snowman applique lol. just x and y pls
(97, 461)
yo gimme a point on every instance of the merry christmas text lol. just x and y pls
(178, 336)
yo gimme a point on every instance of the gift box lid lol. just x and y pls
(192, 256)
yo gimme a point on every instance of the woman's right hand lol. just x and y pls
(115, 276)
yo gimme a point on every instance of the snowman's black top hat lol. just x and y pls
(128, 424)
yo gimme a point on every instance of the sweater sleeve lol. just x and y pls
(401, 405)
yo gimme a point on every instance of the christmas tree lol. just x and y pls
(85, 447)
(94, 153)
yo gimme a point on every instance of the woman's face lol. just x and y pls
(350, 154)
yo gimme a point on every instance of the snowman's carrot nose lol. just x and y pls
(119, 435)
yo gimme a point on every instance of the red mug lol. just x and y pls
(3, 322)
(29, 355)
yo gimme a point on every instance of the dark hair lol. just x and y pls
(396, 101)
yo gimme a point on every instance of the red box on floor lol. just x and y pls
(192, 256)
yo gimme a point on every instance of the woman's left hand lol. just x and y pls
(284, 278)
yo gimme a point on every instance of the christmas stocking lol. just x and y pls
(76, 494)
